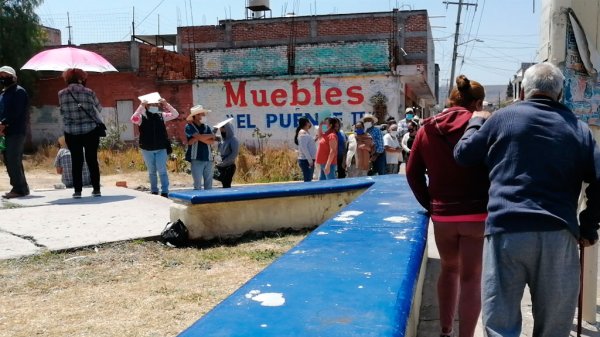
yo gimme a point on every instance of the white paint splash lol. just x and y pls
(347, 216)
(396, 219)
(270, 299)
(299, 252)
(360, 287)
(263, 325)
(384, 203)
(322, 233)
(252, 293)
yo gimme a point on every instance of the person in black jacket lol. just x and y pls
(151, 116)
(14, 111)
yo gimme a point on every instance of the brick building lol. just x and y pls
(266, 73)
(142, 69)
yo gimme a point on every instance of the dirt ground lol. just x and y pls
(138, 288)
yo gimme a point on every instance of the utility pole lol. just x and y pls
(69, 27)
(460, 4)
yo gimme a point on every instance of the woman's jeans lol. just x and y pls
(156, 161)
(202, 173)
(331, 175)
(226, 175)
(307, 170)
(81, 146)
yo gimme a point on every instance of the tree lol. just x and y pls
(509, 90)
(21, 35)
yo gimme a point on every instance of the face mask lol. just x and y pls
(409, 116)
(360, 131)
(153, 109)
(368, 125)
(6, 81)
(394, 133)
(324, 128)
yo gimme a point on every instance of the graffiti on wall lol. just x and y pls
(581, 92)
(275, 106)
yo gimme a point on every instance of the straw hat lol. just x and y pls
(369, 116)
(197, 110)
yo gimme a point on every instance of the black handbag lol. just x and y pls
(100, 129)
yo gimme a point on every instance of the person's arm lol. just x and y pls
(333, 148)
(473, 145)
(590, 216)
(234, 149)
(136, 118)
(169, 113)
(415, 174)
(404, 142)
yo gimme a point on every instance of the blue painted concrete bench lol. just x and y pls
(358, 274)
(266, 207)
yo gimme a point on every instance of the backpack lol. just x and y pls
(175, 233)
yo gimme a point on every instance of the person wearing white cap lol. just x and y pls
(150, 117)
(14, 108)
(200, 137)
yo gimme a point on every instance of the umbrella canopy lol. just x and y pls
(61, 59)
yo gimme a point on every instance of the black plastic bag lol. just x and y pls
(175, 233)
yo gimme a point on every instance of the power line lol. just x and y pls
(454, 54)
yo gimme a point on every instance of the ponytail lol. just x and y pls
(302, 121)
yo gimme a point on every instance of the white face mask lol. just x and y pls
(394, 133)
(368, 125)
(153, 109)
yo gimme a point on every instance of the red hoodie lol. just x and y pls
(453, 189)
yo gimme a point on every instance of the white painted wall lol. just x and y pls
(278, 115)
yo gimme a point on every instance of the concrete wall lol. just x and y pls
(274, 105)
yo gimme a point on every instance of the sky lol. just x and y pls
(508, 29)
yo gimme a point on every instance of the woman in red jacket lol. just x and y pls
(456, 198)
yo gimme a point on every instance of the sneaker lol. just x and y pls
(96, 193)
(166, 195)
(154, 193)
(77, 195)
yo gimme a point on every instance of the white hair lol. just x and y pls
(543, 78)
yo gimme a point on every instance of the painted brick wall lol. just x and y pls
(110, 88)
(242, 62)
(348, 57)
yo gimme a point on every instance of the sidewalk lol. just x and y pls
(50, 220)
(429, 317)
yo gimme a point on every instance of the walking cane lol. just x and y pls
(580, 301)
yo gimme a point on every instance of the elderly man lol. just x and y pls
(13, 125)
(378, 157)
(538, 154)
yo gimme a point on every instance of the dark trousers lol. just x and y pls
(307, 171)
(80, 146)
(341, 172)
(13, 159)
(380, 164)
(226, 175)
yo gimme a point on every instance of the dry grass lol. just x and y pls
(127, 289)
(269, 165)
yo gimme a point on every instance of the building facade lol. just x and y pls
(267, 73)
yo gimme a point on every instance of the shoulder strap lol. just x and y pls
(80, 107)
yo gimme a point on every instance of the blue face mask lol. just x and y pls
(153, 109)
(360, 131)
(409, 116)
(324, 128)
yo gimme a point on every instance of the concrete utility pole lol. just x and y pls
(460, 4)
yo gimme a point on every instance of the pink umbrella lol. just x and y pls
(60, 59)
